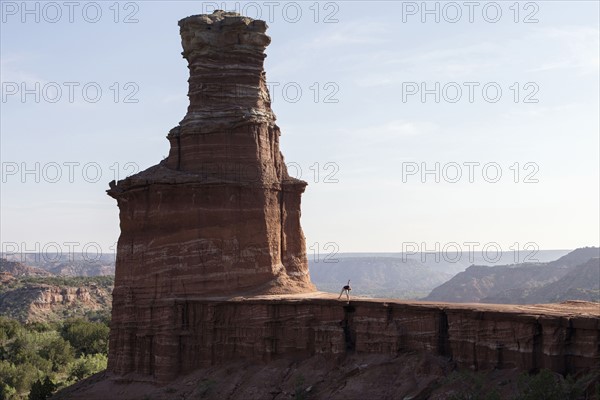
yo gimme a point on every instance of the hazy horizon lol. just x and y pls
(541, 255)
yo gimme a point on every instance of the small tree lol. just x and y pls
(548, 386)
(87, 365)
(86, 337)
(7, 392)
(58, 351)
(42, 390)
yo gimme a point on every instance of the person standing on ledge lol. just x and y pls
(346, 289)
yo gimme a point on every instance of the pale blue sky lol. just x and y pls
(368, 56)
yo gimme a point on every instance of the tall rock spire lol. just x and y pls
(220, 216)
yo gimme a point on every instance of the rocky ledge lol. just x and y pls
(198, 333)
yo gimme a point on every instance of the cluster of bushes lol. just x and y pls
(544, 385)
(37, 359)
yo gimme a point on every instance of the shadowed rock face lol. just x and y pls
(220, 215)
(194, 334)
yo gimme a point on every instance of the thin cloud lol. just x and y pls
(576, 48)
(395, 129)
(13, 69)
(351, 34)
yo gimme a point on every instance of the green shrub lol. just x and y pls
(7, 392)
(86, 337)
(87, 365)
(42, 390)
(471, 387)
(25, 348)
(58, 351)
(205, 387)
(8, 328)
(32, 354)
(20, 378)
(548, 386)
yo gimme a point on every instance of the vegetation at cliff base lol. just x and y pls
(37, 359)
(544, 385)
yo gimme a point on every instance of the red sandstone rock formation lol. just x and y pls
(220, 215)
(560, 337)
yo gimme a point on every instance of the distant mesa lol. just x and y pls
(575, 276)
(62, 264)
(19, 269)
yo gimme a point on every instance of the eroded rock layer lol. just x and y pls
(190, 334)
(220, 215)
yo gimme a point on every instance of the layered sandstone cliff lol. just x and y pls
(192, 334)
(220, 215)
